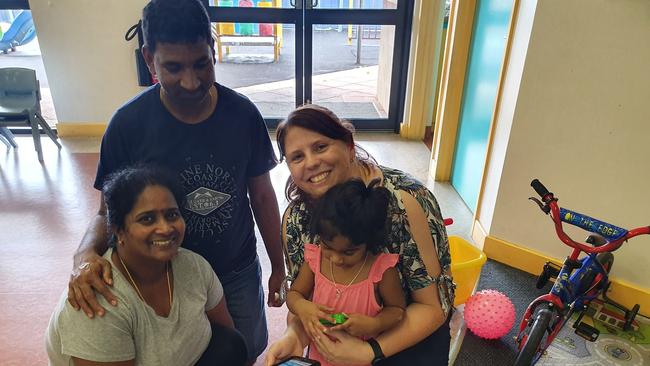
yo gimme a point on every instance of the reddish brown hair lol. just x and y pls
(324, 122)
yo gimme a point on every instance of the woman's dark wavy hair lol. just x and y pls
(354, 211)
(122, 189)
(175, 21)
(322, 121)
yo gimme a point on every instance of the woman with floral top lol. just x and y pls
(320, 152)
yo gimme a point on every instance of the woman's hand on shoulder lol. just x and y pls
(93, 274)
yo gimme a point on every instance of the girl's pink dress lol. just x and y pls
(359, 298)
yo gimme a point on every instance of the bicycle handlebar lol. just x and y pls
(614, 234)
(539, 188)
(609, 231)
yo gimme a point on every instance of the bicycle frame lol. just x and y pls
(568, 286)
(566, 295)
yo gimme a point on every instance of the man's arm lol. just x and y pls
(95, 239)
(267, 216)
(90, 271)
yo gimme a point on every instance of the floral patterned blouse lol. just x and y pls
(412, 271)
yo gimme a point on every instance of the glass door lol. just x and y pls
(258, 47)
(356, 59)
(348, 55)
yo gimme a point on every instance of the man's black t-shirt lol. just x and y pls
(213, 160)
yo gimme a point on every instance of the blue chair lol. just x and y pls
(20, 105)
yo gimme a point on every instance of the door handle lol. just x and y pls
(292, 3)
(314, 4)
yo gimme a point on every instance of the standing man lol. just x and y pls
(216, 142)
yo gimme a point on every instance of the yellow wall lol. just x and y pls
(89, 65)
(574, 113)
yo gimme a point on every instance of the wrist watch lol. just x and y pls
(376, 349)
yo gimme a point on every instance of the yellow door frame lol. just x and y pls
(421, 86)
(456, 59)
(452, 83)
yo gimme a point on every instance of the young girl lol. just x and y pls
(347, 273)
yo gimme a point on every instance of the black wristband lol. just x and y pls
(376, 349)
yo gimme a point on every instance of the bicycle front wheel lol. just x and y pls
(532, 348)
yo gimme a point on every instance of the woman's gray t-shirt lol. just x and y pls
(133, 330)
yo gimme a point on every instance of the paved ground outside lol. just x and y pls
(349, 93)
(338, 82)
(246, 66)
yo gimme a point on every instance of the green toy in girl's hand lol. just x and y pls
(338, 318)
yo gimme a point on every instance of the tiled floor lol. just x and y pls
(45, 209)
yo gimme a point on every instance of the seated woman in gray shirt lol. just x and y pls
(171, 307)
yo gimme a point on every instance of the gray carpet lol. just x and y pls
(520, 287)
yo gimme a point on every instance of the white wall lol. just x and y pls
(580, 124)
(89, 65)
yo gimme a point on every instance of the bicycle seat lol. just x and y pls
(596, 240)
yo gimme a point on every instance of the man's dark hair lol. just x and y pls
(354, 211)
(122, 189)
(175, 21)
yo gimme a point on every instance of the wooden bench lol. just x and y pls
(233, 40)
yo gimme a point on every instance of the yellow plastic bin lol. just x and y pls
(466, 263)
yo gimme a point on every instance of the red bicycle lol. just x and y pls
(577, 282)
